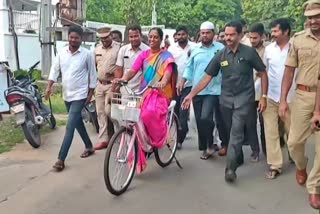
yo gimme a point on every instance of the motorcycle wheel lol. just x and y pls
(94, 121)
(52, 122)
(31, 129)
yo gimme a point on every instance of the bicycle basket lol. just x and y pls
(125, 107)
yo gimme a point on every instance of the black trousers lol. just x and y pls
(235, 120)
(205, 107)
(183, 115)
(250, 132)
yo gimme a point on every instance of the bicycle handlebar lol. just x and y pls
(124, 84)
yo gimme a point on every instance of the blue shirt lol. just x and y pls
(196, 66)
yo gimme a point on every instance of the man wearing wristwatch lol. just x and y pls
(237, 100)
(274, 58)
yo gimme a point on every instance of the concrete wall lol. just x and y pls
(28, 48)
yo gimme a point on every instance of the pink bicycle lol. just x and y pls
(122, 153)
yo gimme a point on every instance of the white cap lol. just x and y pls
(207, 26)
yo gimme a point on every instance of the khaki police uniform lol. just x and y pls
(304, 55)
(106, 59)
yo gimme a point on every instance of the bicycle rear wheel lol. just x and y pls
(120, 163)
(165, 155)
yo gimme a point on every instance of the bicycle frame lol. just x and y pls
(141, 135)
(143, 138)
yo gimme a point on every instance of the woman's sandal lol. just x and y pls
(87, 153)
(59, 166)
(272, 174)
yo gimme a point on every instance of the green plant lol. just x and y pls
(57, 103)
(20, 74)
(36, 74)
(10, 134)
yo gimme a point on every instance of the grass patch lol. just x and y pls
(10, 135)
(57, 102)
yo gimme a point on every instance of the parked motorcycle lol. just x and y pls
(25, 101)
(89, 114)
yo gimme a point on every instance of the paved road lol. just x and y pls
(28, 186)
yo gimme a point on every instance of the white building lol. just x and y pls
(26, 18)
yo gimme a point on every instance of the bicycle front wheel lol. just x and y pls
(120, 161)
(165, 155)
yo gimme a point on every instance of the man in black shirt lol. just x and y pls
(237, 100)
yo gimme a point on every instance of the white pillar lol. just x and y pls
(154, 14)
(4, 28)
(46, 57)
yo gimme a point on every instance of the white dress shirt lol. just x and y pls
(181, 56)
(274, 59)
(78, 73)
(246, 40)
(126, 58)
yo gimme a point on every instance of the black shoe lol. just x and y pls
(230, 176)
(179, 146)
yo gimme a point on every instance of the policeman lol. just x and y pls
(237, 101)
(304, 54)
(106, 57)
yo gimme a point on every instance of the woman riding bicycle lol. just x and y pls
(157, 65)
(159, 70)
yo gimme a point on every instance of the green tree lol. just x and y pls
(108, 11)
(193, 13)
(169, 13)
(265, 11)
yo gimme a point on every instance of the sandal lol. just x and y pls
(273, 174)
(59, 166)
(254, 157)
(87, 153)
(205, 155)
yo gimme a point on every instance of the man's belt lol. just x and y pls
(306, 88)
(105, 82)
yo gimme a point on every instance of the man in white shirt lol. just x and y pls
(127, 56)
(275, 57)
(79, 79)
(181, 51)
(245, 37)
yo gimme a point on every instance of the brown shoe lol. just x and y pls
(314, 201)
(301, 177)
(100, 146)
(222, 151)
